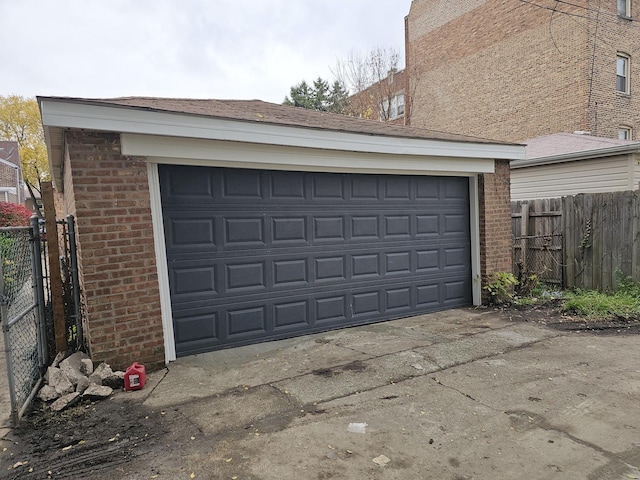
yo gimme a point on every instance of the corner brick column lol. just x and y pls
(109, 195)
(495, 222)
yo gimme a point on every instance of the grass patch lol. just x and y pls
(624, 303)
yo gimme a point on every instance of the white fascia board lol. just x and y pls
(189, 151)
(59, 113)
(575, 156)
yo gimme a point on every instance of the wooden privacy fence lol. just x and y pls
(599, 239)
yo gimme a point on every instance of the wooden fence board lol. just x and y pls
(600, 237)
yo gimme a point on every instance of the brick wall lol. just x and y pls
(495, 221)
(366, 104)
(506, 70)
(8, 179)
(109, 195)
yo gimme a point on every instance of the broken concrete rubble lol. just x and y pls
(74, 378)
(97, 392)
(59, 381)
(48, 393)
(71, 366)
(102, 372)
(65, 401)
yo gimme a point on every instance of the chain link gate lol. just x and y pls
(22, 313)
(538, 256)
(26, 311)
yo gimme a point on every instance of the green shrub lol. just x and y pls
(500, 288)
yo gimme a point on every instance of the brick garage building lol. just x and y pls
(206, 224)
(513, 70)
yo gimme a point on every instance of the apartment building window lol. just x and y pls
(396, 109)
(624, 8)
(622, 73)
(624, 132)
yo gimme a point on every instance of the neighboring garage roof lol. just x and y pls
(253, 121)
(568, 147)
(9, 151)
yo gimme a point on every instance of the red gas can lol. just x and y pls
(134, 377)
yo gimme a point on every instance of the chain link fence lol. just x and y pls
(539, 256)
(20, 312)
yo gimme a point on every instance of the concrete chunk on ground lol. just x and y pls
(58, 380)
(65, 401)
(86, 366)
(48, 393)
(97, 392)
(101, 372)
(72, 366)
(82, 385)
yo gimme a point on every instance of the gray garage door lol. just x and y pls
(256, 255)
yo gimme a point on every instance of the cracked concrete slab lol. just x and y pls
(569, 381)
(325, 384)
(458, 395)
(426, 430)
(242, 409)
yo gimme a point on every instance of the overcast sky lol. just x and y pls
(241, 49)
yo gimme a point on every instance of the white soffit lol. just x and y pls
(67, 114)
(250, 155)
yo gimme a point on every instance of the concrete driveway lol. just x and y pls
(462, 394)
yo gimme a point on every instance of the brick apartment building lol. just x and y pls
(11, 184)
(514, 69)
(384, 100)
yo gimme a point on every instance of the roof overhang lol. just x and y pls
(143, 131)
(576, 156)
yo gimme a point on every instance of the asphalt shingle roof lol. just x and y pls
(566, 143)
(271, 113)
(9, 151)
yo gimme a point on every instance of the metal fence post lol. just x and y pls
(75, 282)
(38, 289)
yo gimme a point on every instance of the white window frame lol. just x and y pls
(624, 8)
(396, 110)
(625, 132)
(623, 62)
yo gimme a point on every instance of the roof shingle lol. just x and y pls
(264, 112)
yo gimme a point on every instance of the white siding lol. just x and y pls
(635, 162)
(607, 174)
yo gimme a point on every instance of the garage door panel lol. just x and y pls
(330, 228)
(246, 321)
(189, 186)
(365, 188)
(288, 314)
(240, 184)
(330, 309)
(399, 300)
(397, 188)
(289, 230)
(191, 281)
(196, 329)
(242, 278)
(287, 186)
(327, 187)
(258, 255)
